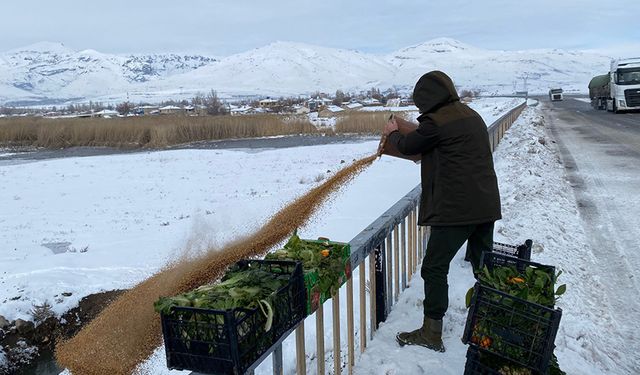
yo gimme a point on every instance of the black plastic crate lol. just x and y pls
(512, 328)
(476, 363)
(232, 341)
(480, 362)
(493, 259)
(522, 251)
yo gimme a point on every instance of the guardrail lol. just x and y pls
(394, 245)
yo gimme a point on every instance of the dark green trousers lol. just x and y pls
(444, 243)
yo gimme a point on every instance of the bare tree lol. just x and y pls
(213, 104)
(124, 108)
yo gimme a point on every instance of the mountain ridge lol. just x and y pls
(52, 72)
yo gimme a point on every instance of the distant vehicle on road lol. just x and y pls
(618, 90)
(555, 95)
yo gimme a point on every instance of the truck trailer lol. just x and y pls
(599, 91)
(619, 90)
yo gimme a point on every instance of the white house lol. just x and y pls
(170, 109)
(106, 113)
(330, 111)
(268, 103)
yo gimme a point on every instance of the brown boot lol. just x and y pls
(429, 335)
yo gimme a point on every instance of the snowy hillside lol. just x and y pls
(289, 68)
(499, 72)
(50, 72)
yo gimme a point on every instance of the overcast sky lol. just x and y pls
(221, 28)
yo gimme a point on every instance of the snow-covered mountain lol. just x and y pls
(51, 72)
(496, 72)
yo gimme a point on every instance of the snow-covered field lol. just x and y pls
(83, 225)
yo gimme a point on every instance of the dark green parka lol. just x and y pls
(459, 184)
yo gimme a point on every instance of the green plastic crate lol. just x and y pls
(315, 295)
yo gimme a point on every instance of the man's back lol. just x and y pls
(459, 184)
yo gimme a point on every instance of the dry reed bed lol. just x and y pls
(164, 131)
(364, 122)
(128, 331)
(148, 131)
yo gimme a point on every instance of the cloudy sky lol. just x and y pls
(221, 28)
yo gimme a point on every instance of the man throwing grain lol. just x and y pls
(460, 198)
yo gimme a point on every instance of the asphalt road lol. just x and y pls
(601, 155)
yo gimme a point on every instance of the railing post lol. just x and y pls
(320, 339)
(388, 249)
(382, 309)
(372, 295)
(351, 358)
(363, 309)
(420, 243)
(403, 250)
(301, 356)
(414, 240)
(337, 355)
(396, 262)
(410, 246)
(277, 360)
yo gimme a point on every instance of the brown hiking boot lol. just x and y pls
(429, 335)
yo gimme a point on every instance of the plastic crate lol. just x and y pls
(511, 328)
(482, 363)
(493, 259)
(232, 341)
(316, 295)
(522, 251)
(476, 364)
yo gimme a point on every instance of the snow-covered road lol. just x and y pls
(601, 153)
(599, 329)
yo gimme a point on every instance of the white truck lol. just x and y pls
(555, 95)
(624, 85)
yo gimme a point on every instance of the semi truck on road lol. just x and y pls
(619, 90)
(555, 95)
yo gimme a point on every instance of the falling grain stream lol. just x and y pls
(128, 331)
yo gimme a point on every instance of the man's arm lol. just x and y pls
(419, 141)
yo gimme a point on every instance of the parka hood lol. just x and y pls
(434, 90)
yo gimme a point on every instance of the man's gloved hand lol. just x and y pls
(390, 127)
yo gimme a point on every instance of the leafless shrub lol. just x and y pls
(42, 312)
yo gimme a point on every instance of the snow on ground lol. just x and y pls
(492, 108)
(489, 108)
(84, 225)
(3, 360)
(585, 100)
(322, 122)
(380, 108)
